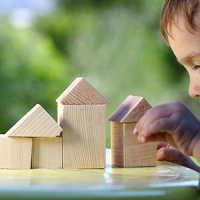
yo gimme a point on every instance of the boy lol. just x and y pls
(173, 123)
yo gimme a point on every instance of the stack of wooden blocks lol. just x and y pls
(32, 142)
(78, 139)
(127, 151)
(82, 115)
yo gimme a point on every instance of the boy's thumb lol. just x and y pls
(168, 154)
(176, 156)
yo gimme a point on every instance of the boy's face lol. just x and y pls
(186, 47)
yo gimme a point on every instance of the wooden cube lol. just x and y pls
(15, 153)
(47, 153)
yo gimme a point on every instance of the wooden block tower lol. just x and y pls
(82, 115)
(127, 151)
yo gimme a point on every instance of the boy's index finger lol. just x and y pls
(135, 131)
(152, 115)
(161, 111)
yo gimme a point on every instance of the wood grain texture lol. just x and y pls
(117, 144)
(80, 92)
(84, 135)
(130, 110)
(36, 123)
(15, 153)
(137, 154)
(127, 151)
(47, 153)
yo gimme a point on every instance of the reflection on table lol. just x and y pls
(97, 182)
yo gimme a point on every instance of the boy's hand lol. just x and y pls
(167, 153)
(171, 123)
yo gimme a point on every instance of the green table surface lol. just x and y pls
(165, 181)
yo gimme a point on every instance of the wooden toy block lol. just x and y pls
(36, 123)
(131, 110)
(15, 153)
(80, 92)
(82, 115)
(117, 144)
(47, 153)
(84, 137)
(127, 151)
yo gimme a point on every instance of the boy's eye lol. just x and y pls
(196, 67)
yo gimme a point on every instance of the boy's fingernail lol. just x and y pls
(142, 139)
(135, 131)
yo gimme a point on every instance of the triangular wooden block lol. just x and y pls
(36, 123)
(131, 110)
(80, 92)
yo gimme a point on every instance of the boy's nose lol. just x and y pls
(194, 90)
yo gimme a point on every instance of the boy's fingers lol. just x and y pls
(162, 117)
(158, 137)
(167, 154)
(175, 156)
(160, 126)
(156, 113)
(162, 144)
(157, 119)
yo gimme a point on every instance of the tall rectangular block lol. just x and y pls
(84, 135)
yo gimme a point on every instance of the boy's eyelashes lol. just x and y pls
(196, 67)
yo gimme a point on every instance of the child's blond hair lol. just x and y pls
(175, 8)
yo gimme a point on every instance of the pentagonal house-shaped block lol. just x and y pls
(41, 129)
(82, 115)
(127, 151)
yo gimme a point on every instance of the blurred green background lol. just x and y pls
(115, 45)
